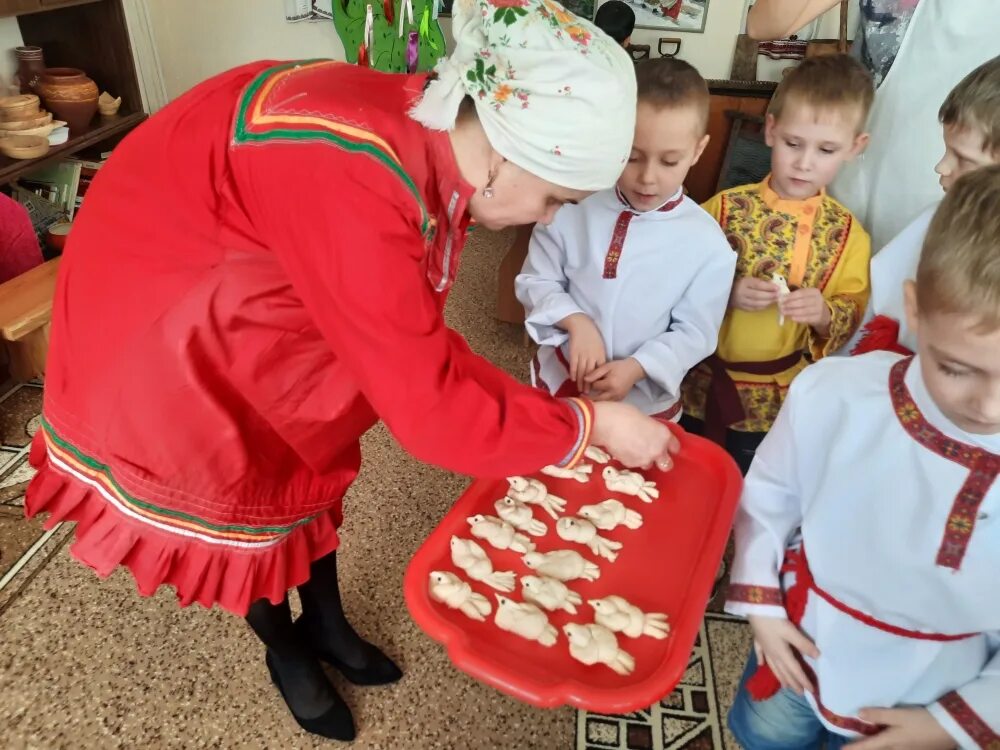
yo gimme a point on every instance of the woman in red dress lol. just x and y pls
(259, 276)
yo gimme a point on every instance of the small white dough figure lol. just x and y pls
(595, 644)
(526, 620)
(453, 592)
(580, 472)
(611, 514)
(550, 594)
(630, 483)
(783, 291)
(519, 515)
(620, 616)
(533, 492)
(500, 534)
(582, 531)
(563, 565)
(472, 558)
(597, 455)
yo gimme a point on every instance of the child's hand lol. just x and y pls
(613, 381)
(905, 729)
(776, 641)
(808, 307)
(750, 294)
(586, 347)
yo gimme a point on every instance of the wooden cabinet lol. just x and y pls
(748, 98)
(20, 7)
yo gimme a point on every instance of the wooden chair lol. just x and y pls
(25, 313)
(748, 157)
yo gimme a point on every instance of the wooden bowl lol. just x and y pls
(44, 130)
(18, 107)
(24, 146)
(27, 124)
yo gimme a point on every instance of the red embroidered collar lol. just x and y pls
(983, 468)
(621, 230)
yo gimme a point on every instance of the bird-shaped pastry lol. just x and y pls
(520, 516)
(619, 615)
(533, 492)
(472, 558)
(582, 531)
(630, 483)
(500, 534)
(526, 620)
(597, 455)
(610, 514)
(550, 594)
(563, 565)
(581, 472)
(595, 644)
(453, 592)
(783, 291)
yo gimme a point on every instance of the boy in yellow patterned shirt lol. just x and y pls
(802, 272)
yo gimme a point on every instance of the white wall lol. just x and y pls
(10, 37)
(198, 38)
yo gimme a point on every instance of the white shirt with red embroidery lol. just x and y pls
(656, 284)
(899, 514)
(893, 265)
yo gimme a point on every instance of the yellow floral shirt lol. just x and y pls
(812, 243)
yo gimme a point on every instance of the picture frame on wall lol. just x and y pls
(669, 15)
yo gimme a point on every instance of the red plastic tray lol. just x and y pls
(669, 565)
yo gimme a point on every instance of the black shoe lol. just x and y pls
(379, 669)
(335, 724)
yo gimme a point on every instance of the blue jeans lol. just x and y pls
(783, 722)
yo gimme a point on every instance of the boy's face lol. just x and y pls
(668, 142)
(964, 151)
(808, 147)
(960, 364)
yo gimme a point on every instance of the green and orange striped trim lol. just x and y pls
(255, 125)
(97, 475)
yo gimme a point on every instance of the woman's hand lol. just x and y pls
(776, 19)
(633, 438)
(777, 643)
(750, 294)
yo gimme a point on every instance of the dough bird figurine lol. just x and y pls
(526, 620)
(533, 492)
(610, 515)
(582, 531)
(453, 592)
(630, 483)
(472, 558)
(783, 291)
(550, 594)
(595, 644)
(581, 472)
(519, 515)
(563, 565)
(499, 534)
(620, 616)
(597, 455)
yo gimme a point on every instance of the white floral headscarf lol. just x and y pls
(555, 95)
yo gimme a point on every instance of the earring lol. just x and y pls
(487, 192)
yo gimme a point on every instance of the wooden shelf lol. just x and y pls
(101, 129)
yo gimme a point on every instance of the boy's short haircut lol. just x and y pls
(669, 82)
(616, 19)
(975, 103)
(826, 82)
(959, 269)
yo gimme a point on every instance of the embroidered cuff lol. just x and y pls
(742, 593)
(584, 411)
(957, 716)
(845, 316)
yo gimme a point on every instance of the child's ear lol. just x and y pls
(910, 305)
(769, 122)
(700, 148)
(860, 144)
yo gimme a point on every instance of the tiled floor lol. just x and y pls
(89, 664)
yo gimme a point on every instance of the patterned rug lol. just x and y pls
(693, 717)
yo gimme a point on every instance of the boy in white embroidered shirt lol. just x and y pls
(626, 291)
(970, 117)
(868, 534)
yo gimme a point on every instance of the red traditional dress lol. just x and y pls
(257, 278)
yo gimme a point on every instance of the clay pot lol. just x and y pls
(70, 96)
(30, 65)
